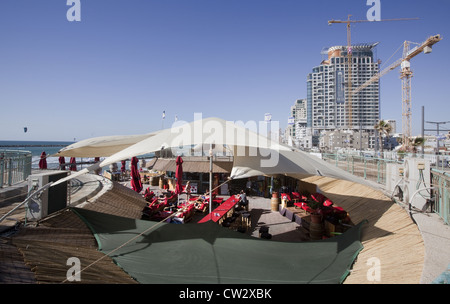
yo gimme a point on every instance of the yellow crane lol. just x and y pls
(348, 22)
(405, 75)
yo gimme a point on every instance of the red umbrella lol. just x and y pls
(73, 167)
(179, 175)
(136, 184)
(122, 169)
(43, 161)
(62, 162)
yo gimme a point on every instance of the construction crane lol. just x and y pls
(405, 75)
(348, 22)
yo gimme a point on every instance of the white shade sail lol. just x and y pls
(253, 154)
(101, 146)
(207, 131)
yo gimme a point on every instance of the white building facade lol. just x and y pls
(327, 93)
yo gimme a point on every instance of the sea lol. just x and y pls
(36, 148)
(51, 147)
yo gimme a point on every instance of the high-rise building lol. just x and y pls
(296, 128)
(327, 92)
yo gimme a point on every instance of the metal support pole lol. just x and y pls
(210, 177)
(365, 168)
(423, 130)
(9, 172)
(2, 171)
(353, 165)
(378, 171)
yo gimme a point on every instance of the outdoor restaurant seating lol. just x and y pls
(185, 214)
(148, 195)
(154, 206)
(201, 205)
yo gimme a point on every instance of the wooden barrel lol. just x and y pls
(316, 231)
(154, 180)
(274, 203)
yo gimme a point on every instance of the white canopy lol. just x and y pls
(254, 154)
(293, 163)
(101, 146)
(207, 131)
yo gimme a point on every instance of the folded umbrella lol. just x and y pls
(43, 161)
(136, 184)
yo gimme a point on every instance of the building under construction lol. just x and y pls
(328, 108)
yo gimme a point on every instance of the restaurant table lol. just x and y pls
(221, 210)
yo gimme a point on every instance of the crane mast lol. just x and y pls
(350, 93)
(405, 75)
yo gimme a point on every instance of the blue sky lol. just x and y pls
(127, 61)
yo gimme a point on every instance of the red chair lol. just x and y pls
(327, 203)
(318, 197)
(201, 206)
(218, 200)
(285, 196)
(296, 195)
(304, 206)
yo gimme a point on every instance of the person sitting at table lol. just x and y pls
(187, 189)
(243, 201)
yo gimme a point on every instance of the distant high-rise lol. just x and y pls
(327, 92)
(296, 128)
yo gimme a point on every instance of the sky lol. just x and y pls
(116, 70)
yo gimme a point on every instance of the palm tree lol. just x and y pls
(383, 128)
(416, 142)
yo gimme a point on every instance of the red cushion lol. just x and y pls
(327, 202)
(285, 196)
(318, 197)
(338, 209)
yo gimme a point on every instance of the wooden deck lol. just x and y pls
(390, 237)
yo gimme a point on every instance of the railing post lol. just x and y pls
(2, 171)
(348, 165)
(378, 171)
(446, 199)
(353, 165)
(9, 171)
(365, 168)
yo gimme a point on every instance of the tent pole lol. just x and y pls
(210, 178)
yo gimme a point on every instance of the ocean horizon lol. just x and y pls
(50, 148)
(36, 148)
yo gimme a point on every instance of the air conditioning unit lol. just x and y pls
(416, 177)
(48, 201)
(394, 175)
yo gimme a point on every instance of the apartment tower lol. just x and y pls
(327, 92)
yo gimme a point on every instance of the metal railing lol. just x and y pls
(441, 190)
(15, 166)
(374, 169)
(369, 168)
